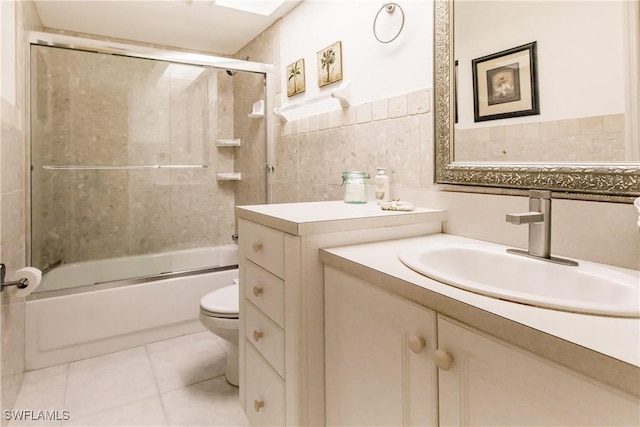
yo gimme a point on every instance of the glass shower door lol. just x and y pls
(124, 163)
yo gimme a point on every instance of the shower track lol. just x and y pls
(98, 286)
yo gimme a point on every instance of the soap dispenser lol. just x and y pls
(381, 181)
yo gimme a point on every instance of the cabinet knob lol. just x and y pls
(257, 335)
(258, 404)
(444, 360)
(257, 290)
(416, 343)
(257, 246)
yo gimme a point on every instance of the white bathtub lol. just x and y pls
(89, 272)
(66, 328)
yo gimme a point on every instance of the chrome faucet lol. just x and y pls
(539, 220)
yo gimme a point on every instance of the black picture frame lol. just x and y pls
(505, 84)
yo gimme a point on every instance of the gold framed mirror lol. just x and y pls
(593, 180)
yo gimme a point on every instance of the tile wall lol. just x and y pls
(598, 138)
(252, 155)
(86, 113)
(312, 152)
(13, 220)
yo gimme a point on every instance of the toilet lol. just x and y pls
(219, 312)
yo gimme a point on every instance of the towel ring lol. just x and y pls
(389, 8)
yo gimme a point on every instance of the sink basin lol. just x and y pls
(489, 270)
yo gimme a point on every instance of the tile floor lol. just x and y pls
(177, 382)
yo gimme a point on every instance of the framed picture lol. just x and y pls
(295, 78)
(505, 84)
(330, 64)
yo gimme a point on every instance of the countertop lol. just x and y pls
(326, 217)
(604, 348)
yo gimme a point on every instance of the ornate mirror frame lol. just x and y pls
(593, 181)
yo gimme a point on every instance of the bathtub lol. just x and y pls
(70, 321)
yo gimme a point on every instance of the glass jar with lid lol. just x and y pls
(355, 186)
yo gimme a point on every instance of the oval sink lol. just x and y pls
(489, 270)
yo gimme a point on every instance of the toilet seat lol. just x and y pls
(223, 302)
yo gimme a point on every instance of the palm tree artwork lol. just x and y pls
(328, 58)
(330, 64)
(295, 73)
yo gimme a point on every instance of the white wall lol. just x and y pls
(579, 54)
(375, 70)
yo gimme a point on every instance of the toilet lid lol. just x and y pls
(223, 301)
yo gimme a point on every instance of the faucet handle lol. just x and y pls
(540, 194)
(525, 218)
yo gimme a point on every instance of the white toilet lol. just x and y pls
(219, 312)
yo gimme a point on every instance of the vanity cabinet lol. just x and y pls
(465, 377)
(494, 383)
(282, 365)
(378, 357)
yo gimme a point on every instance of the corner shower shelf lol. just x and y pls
(229, 176)
(258, 110)
(228, 142)
(342, 94)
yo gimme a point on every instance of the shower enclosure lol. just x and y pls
(131, 159)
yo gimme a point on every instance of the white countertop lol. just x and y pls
(615, 338)
(326, 217)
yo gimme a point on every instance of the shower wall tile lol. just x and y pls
(144, 119)
(12, 154)
(249, 88)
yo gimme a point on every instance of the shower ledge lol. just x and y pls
(229, 176)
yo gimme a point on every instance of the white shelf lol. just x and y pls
(229, 176)
(342, 94)
(228, 142)
(258, 110)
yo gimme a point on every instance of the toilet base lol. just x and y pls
(233, 364)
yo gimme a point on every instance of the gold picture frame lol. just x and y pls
(330, 64)
(295, 77)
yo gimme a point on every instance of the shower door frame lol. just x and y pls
(152, 53)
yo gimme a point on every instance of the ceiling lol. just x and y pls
(189, 24)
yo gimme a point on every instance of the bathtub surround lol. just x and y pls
(250, 158)
(130, 111)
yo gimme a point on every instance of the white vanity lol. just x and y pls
(282, 297)
(365, 340)
(402, 349)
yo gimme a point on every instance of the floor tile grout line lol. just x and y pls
(66, 387)
(107, 410)
(155, 381)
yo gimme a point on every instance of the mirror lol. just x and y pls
(529, 98)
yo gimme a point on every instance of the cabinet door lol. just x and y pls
(494, 383)
(378, 356)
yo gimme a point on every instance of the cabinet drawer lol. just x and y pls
(264, 392)
(266, 291)
(264, 246)
(266, 336)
